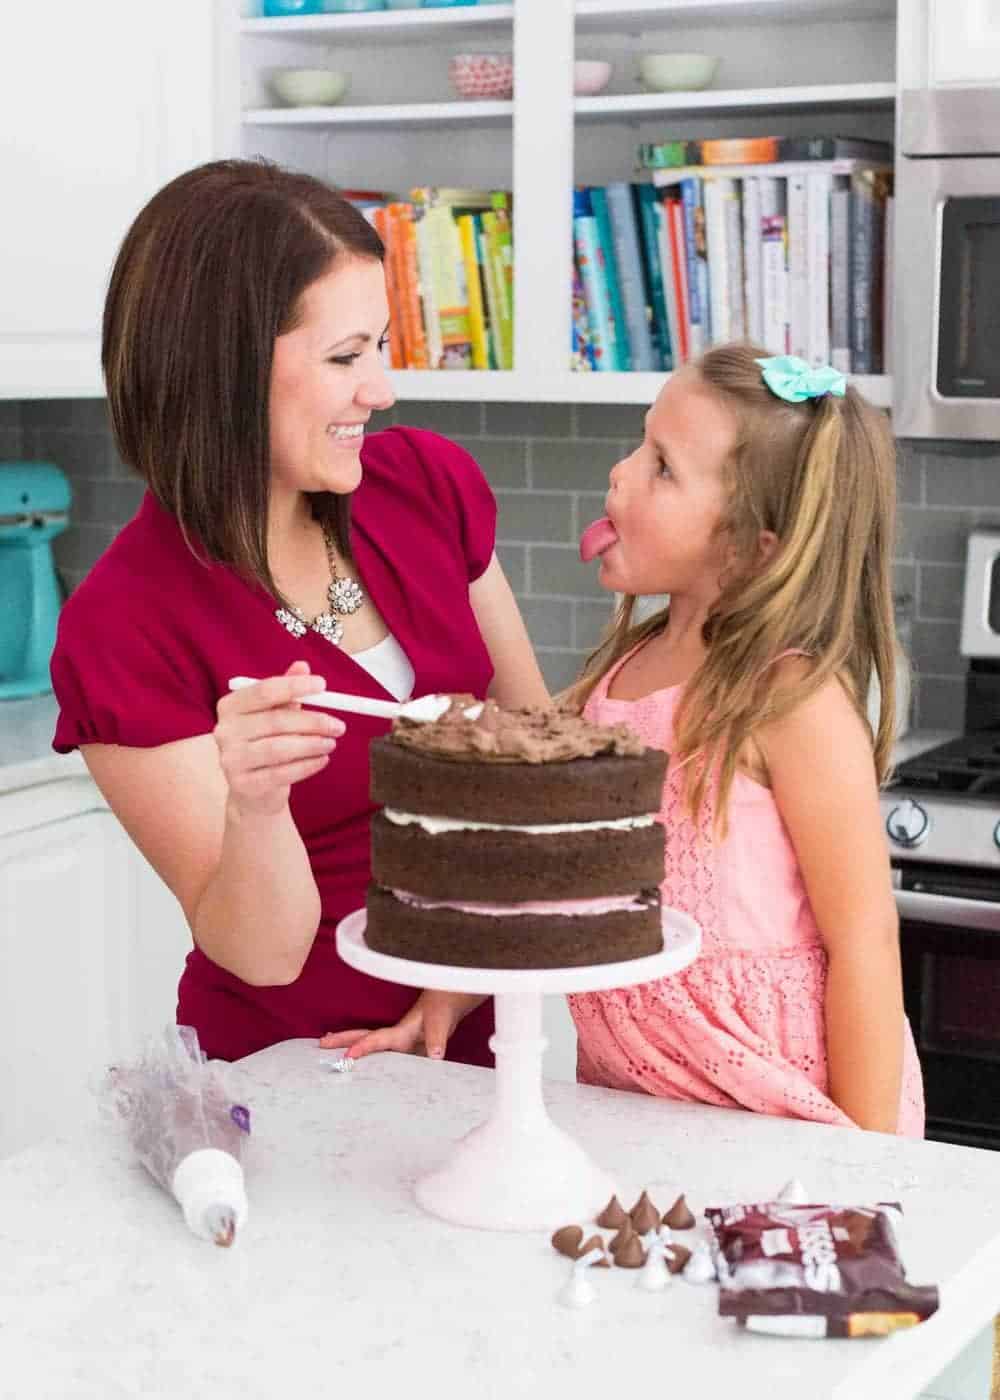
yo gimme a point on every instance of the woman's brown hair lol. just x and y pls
(821, 475)
(211, 272)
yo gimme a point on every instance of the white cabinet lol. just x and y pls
(91, 949)
(100, 105)
(964, 42)
(788, 67)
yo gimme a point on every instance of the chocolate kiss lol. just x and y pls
(623, 1236)
(631, 1255)
(676, 1256)
(595, 1242)
(644, 1215)
(613, 1216)
(567, 1241)
(678, 1217)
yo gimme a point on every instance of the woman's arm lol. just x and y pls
(517, 681)
(211, 816)
(823, 778)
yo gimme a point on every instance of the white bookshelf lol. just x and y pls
(784, 68)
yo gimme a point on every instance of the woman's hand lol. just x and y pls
(267, 741)
(425, 1029)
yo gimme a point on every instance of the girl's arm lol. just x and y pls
(517, 681)
(822, 775)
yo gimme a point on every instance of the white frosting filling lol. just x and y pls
(602, 904)
(436, 826)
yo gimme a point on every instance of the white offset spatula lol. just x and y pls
(424, 709)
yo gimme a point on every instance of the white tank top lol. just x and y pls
(390, 665)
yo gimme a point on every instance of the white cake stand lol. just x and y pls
(518, 1171)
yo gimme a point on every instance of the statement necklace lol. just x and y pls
(345, 597)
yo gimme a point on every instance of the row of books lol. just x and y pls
(449, 275)
(793, 255)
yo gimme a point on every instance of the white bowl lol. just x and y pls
(307, 87)
(677, 72)
(590, 76)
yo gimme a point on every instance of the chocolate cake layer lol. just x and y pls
(510, 866)
(604, 787)
(454, 937)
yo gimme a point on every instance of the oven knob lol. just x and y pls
(996, 834)
(907, 823)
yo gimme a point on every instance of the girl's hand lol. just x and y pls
(267, 741)
(424, 1029)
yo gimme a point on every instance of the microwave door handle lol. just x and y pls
(945, 909)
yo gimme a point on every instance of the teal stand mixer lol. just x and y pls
(34, 508)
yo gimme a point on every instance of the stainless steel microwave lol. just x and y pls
(946, 343)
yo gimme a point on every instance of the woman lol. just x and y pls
(243, 332)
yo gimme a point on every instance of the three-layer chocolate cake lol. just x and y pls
(521, 838)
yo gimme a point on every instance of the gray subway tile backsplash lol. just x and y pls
(548, 464)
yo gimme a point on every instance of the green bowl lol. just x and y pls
(677, 72)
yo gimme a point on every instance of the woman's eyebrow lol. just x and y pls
(364, 336)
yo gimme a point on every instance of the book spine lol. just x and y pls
(477, 320)
(627, 255)
(622, 349)
(588, 254)
(450, 284)
(797, 230)
(669, 283)
(697, 310)
(752, 259)
(397, 360)
(840, 277)
(774, 279)
(678, 258)
(582, 350)
(818, 189)
(647, 204)
(734, 259)
(888, 265)
(407, 285)
(862, 276)
(504, 263)
(489, 291)
(428, 291)
(718, 263)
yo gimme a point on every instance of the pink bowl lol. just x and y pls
(482, 75)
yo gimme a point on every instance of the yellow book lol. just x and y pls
(477, 320)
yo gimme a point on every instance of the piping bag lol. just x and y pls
(597, 538)
(185, 1129)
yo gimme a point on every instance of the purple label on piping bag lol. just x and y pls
(241, 1117)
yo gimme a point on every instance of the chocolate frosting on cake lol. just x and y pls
(480, 728)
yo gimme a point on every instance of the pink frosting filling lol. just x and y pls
(605, 904)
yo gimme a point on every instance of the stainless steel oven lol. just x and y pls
(946, 346)
(942, 818)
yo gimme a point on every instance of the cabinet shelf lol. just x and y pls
(499, 386)
(649, 14)
(402, 26)
(821, 97)
(410, 115)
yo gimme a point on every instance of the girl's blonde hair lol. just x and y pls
(821, 476)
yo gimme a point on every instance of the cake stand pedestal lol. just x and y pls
(518, 1171)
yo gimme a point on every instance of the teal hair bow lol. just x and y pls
(794, 380)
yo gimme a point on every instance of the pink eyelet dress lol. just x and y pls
(743, 1026)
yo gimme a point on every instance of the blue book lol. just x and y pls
(647, 202)
(630, 276)
(599, 204)
(696, 251)
(587, 243)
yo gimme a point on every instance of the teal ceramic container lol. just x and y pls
(34, 508)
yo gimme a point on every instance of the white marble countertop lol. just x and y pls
(341, 1285)
(27, 726)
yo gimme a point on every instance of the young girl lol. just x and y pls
(762, 501)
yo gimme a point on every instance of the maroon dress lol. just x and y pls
(145, 649)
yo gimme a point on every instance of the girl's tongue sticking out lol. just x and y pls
(597, 538)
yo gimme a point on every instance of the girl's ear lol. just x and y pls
(767, 543)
